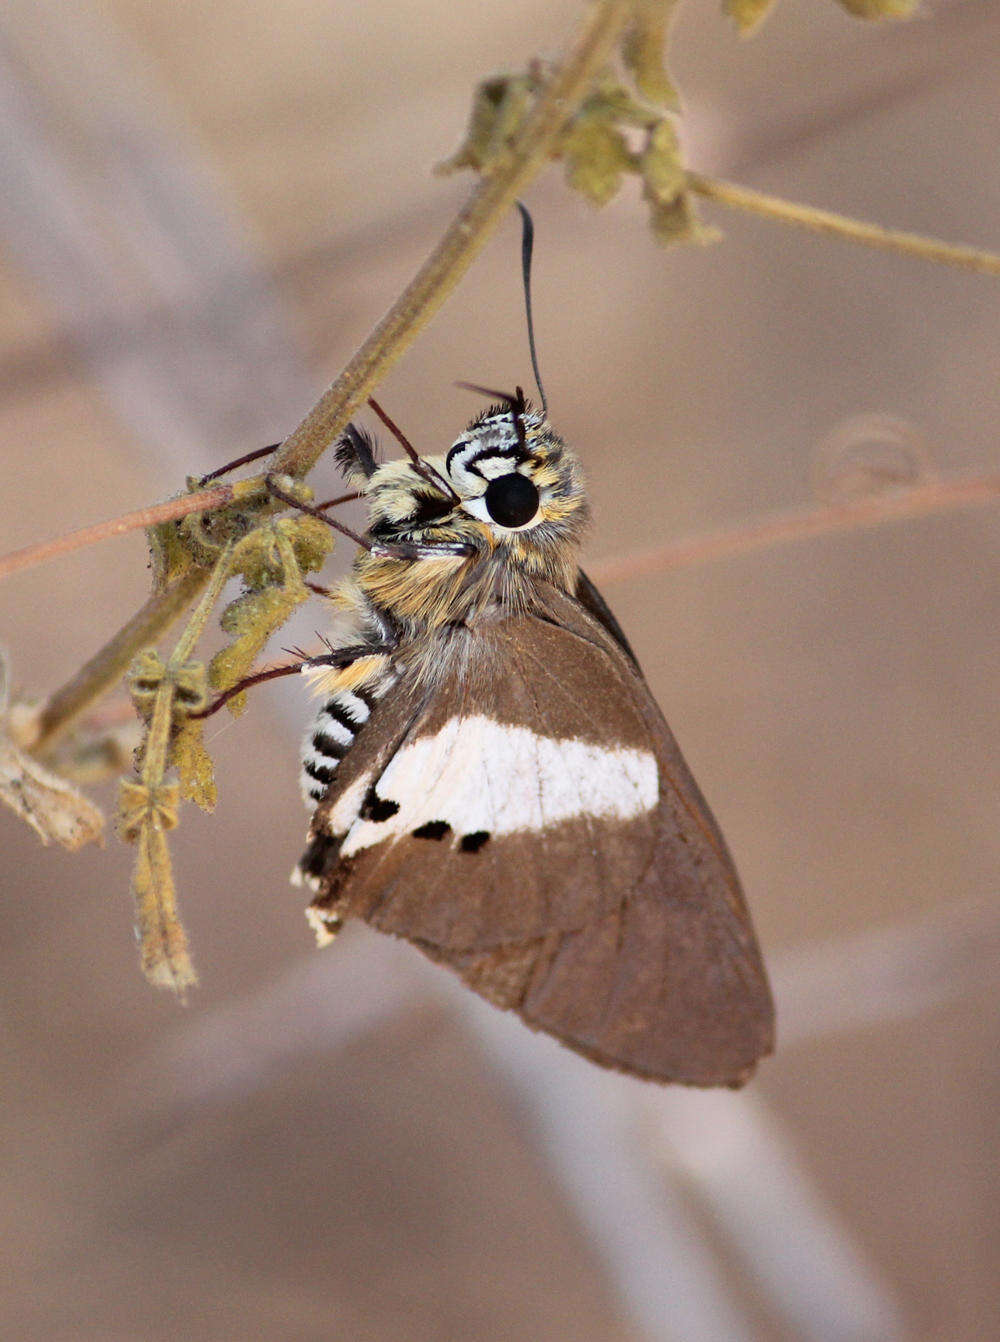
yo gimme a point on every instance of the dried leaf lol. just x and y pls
(747, 14)
(144, 817)
(91, 756)
(138, 804)
(644, 52)
(186, 750)
(596, 157)
(53, 808)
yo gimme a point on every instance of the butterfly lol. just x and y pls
(492, 779)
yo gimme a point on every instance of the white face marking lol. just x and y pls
(491, 448)
(476, 775)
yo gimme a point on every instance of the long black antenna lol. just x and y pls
(527, 245)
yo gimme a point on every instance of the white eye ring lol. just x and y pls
(477, 509)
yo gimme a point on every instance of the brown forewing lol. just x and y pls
(630, 940)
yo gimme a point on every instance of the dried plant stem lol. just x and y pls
(149, 810)
(839, 225)
(464, 239)
(107, 667)
(936, 496)
(170, 511)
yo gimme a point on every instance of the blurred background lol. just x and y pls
(204, 209)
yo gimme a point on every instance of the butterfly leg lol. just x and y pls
(245, 460)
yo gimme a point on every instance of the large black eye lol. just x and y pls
(511, 500)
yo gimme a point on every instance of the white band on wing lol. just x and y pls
(477, 775)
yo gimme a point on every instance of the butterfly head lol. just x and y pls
(508, 484)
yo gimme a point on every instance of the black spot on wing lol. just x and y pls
(471, 843)
(434, 829)
(377, 808)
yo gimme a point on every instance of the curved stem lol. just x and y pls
(464, 239)
(841, 226)
(936, 496)
(170, 511)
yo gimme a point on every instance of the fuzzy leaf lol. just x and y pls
(498, 108)
(252, 618)
(644, 52)
(663, 175)
(261, 557)
(612, 100)
(190, 694)
(168, 554)
(596, 157)
(280, 552)
(138, 806)
(747, 14)
(194, 766)
(312, 541)
(142, 680)
(677, 221)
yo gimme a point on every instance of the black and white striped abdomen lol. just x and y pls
(332, 733)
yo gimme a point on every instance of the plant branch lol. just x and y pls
(170, 511)
(841, 226)
(936, 496)
(464, 239)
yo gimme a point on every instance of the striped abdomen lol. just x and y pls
(333, 732)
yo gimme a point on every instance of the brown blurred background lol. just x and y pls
(204, 208)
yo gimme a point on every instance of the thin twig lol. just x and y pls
(936, 496)
(464, 239)
(841, 226)
(118, 526)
